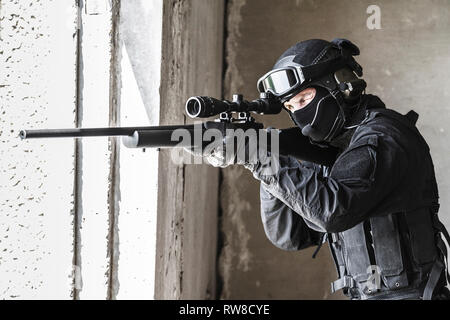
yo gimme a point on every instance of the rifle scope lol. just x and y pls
(205, 107)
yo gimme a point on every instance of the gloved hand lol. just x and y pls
(215, 157)
(235, 149)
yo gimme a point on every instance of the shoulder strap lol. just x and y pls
(438, 266)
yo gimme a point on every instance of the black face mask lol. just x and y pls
(321, 119)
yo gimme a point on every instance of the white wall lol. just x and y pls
(37, 90)
(93, 239)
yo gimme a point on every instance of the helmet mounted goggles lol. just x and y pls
(284, 82)
(281, 81)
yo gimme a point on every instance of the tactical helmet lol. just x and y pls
(315, 62)
(327, 66)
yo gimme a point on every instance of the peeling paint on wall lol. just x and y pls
(60, 200)
(93, 228)
(37, 86)
(114, 192)
(187, 200)
(60, 224)
(233, 79)
(235, 253)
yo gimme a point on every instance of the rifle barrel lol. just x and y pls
(291, 141)
(90, 132)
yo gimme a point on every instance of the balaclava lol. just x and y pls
(324, 117)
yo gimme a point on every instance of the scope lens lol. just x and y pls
(193, 107)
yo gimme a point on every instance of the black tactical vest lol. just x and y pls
(400, 255)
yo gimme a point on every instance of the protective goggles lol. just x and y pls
(281, 81)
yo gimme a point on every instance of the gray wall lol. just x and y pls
(406, 63)
(188, 194)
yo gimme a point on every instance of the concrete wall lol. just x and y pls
(78, 220)
(406, 63)
(188, 195)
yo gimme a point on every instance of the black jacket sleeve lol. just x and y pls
(359, 180)
(283, 227)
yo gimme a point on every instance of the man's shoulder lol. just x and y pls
(388, 121)
(389, 127)
(378, 114)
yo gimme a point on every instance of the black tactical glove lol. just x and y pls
(235, 149)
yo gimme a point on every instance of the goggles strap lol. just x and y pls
(318, 70)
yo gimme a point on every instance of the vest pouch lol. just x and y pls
(355, 253)
(388, 253)
(421, 235)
